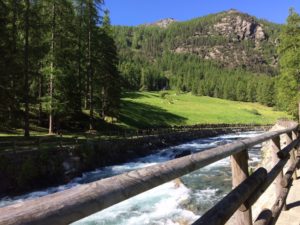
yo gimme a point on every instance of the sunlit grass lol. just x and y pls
(186, 109)
(160, 109)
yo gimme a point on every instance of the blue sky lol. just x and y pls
(135, 12)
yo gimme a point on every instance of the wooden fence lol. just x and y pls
(71, 205)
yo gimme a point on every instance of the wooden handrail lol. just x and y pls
(222, 211)
(289, 173)
(263, 187)
(71, 205)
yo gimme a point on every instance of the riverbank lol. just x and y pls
(172, 203)
(30, 170)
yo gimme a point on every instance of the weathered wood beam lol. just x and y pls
(224, 209)
(240, 172)
(71, 205)
(264, 217)
(289, 173)
(289, 140)
(295, 135)
(275, 145)
(286, 150)
(263, 187)
(279, 204)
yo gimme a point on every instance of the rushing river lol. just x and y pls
(178, 202)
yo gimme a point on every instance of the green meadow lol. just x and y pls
(147, 109)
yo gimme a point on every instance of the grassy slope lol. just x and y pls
(150, 109)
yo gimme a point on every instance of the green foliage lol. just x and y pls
(188, 73)
(71, 56)
(288, 83)
(152, 59)
(110, 77)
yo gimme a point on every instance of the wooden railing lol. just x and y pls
(73, 204)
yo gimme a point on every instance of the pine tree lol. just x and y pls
(111, 88)
(26, 68)
(5, 57)
(288, 84)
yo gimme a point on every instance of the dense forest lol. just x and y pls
(58, 63)
(194, 56)
(63, 65)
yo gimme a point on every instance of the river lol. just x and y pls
(179, 202)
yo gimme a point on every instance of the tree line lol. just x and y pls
(189, 73)
(58, 62)
(148, 61)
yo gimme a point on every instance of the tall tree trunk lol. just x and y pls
(12, 107)
(90, 72)
(51, 71)
(26, 71)
(40, 98)
(79, 56)
(86, 95)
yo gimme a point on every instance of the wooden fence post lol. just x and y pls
(295, 135)
(289, 139)
(239, 168)
(275, 145)
(299, 112)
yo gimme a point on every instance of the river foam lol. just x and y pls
(178, 202)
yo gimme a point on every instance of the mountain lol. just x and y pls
(164, 23)
(176, 54)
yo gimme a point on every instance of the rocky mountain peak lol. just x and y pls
(232, 11)
(239, 26)
(164, 23)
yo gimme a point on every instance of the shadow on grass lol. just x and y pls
(140, 115)
(134, 95)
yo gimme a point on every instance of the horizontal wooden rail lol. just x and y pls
(286, 151)
(264, 217)
(71, 205)
(222, 211)
(263, 187)
(279, 204)
(289, 173)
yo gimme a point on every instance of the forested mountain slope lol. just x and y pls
(227, 55)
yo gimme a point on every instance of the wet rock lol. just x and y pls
(71, 165)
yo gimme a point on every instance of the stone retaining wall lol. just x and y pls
(26, 171)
